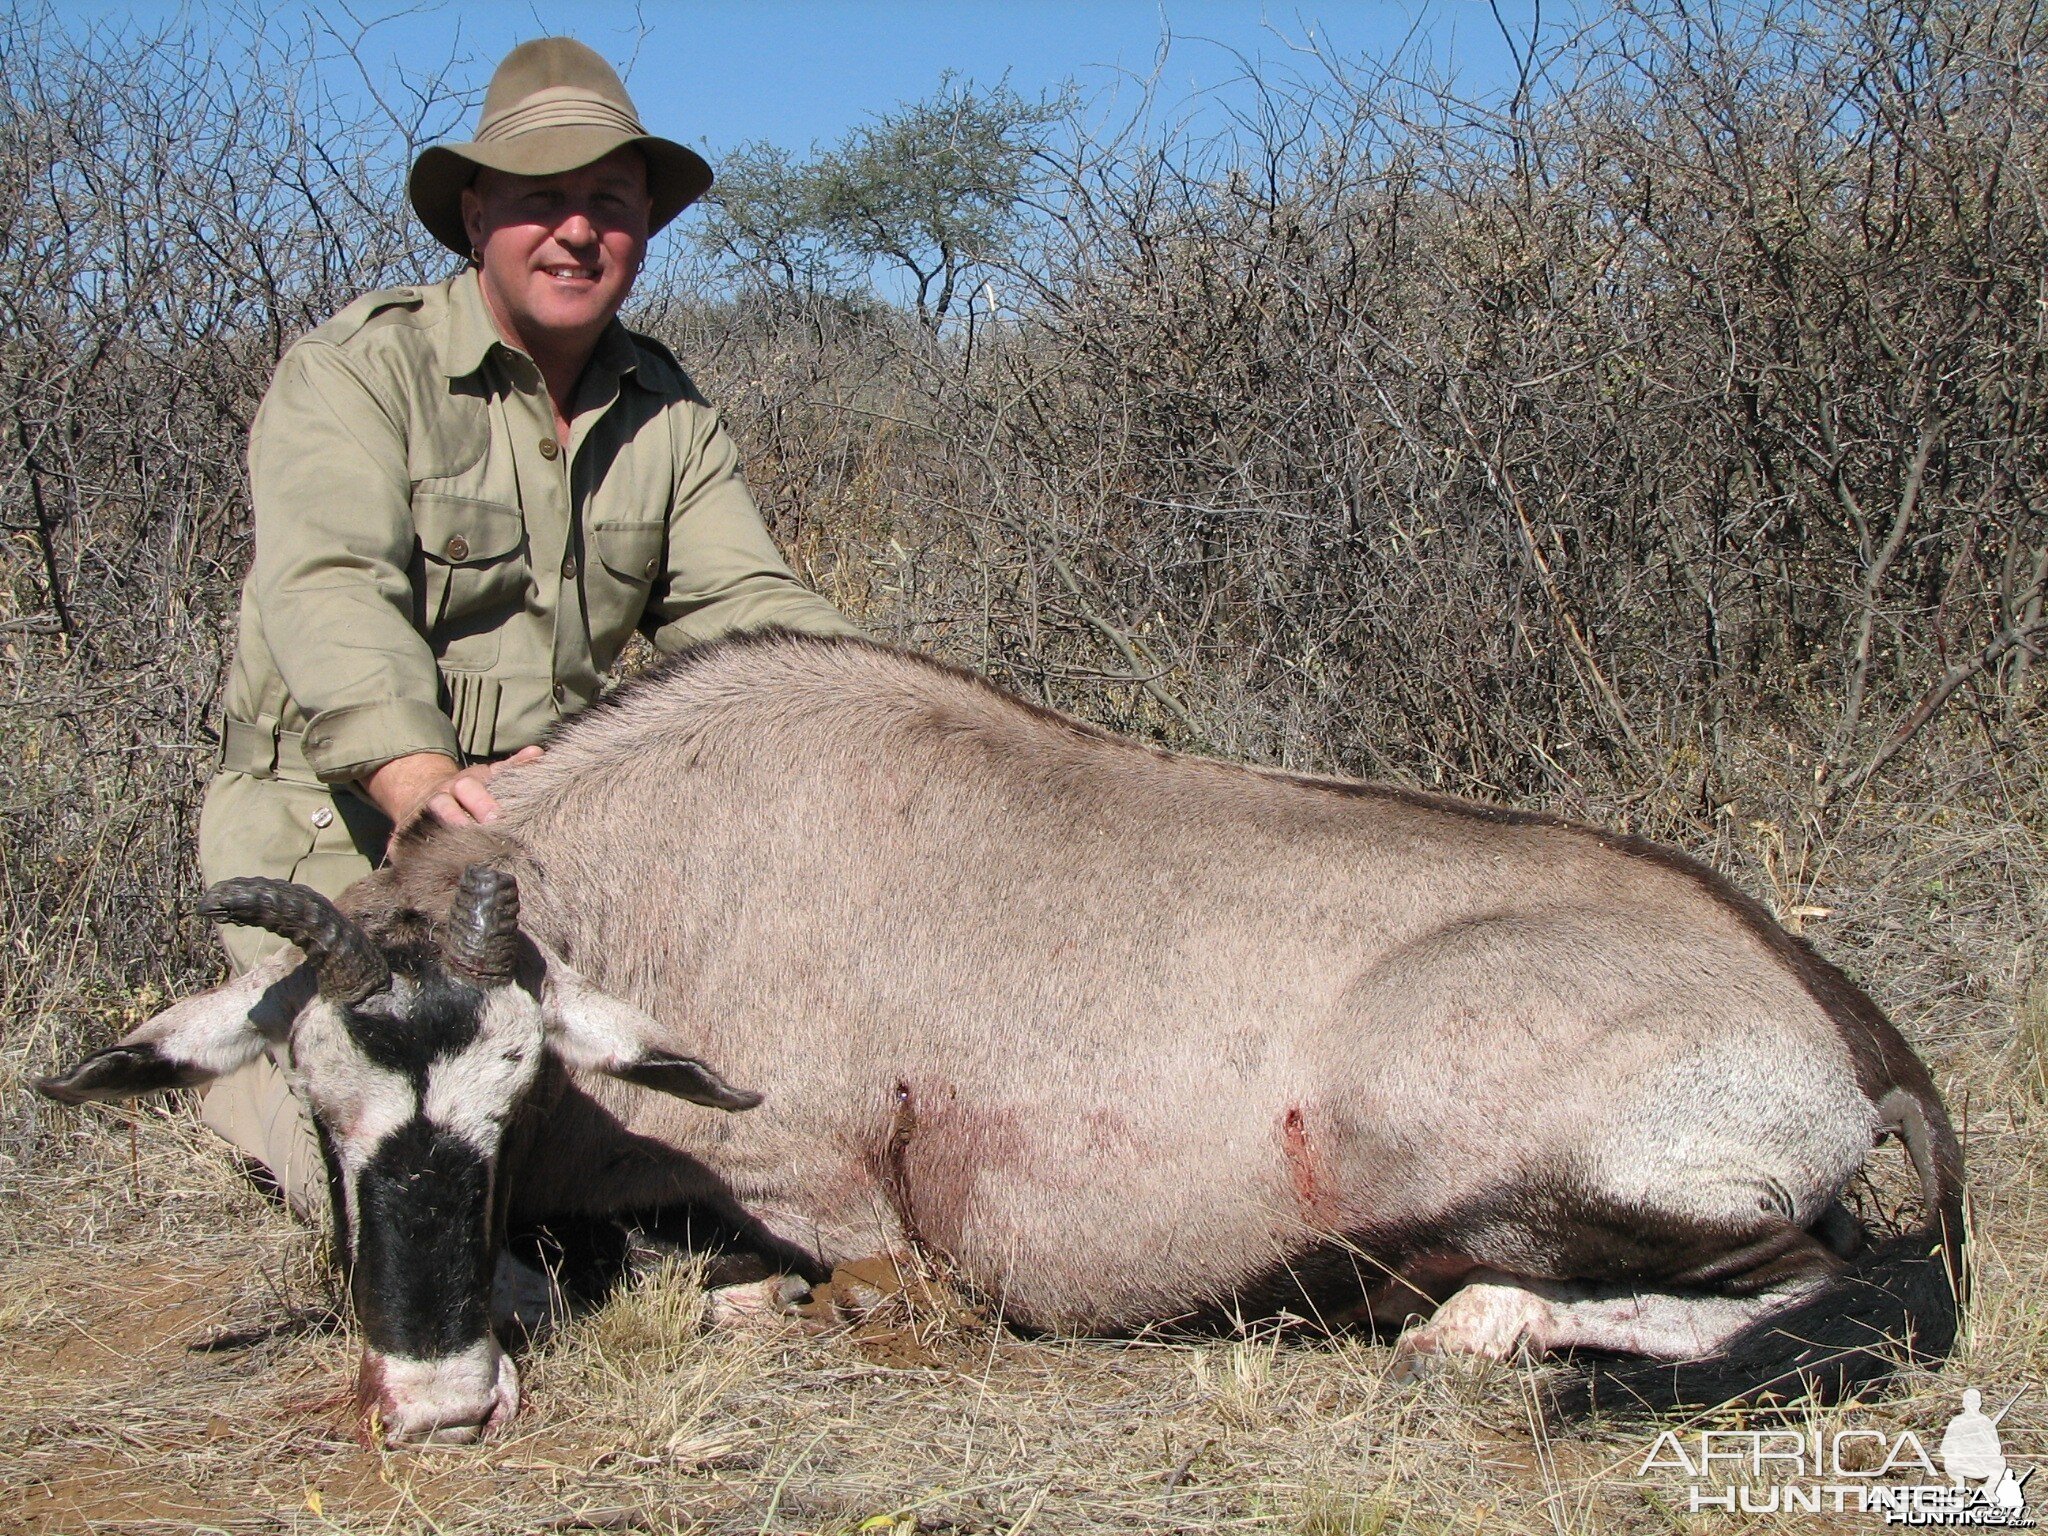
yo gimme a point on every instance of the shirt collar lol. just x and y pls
(615, 352)
(471, 333)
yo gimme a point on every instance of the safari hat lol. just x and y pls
(553, 106)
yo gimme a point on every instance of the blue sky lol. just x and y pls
(797, 73)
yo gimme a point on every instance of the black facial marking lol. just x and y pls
(422, 1279)
(443, 1016)
(118, 1072)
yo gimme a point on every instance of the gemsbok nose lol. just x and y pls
(454, 1400)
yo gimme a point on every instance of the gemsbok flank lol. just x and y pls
(1116, 1037)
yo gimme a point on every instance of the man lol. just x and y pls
(467, 498)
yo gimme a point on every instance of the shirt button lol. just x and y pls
(569, 569)
(653, 565)
(324, 816)
(561, 693)
(458, 548)
(549, 447)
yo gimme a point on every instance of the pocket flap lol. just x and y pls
(456, 530)
(630, 550)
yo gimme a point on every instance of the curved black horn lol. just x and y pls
(482, 937)
(347, 961)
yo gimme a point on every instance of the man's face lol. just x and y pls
(560, 252)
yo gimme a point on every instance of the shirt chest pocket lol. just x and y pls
(475, 569)
(628, 558)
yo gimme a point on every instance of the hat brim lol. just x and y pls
(676, 177)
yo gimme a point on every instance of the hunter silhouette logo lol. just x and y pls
(1970, 1453)
(1880, 1472)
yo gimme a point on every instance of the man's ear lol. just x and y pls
(472, 205)
(195, 1041)
(593, 1031)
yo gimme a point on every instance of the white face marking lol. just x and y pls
(358, 1101)
(472, 1092)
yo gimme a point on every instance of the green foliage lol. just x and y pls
(765, 217)
(932, 190)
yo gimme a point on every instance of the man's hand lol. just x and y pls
(428, 784)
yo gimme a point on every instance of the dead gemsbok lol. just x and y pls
(1116, 1036)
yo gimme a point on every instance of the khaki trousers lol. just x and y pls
(320, 837)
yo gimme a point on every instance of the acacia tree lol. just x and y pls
(765, 221)
(933, 190)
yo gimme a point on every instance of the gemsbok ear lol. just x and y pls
(195, 1041)
(592, 1031)
(687, 1078)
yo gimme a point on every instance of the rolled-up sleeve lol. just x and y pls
(724, 572)
(334, 548)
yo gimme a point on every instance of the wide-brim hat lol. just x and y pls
(553, 106)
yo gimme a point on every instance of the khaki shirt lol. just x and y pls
(435, 573)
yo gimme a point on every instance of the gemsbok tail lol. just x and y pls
(1899, 1302)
